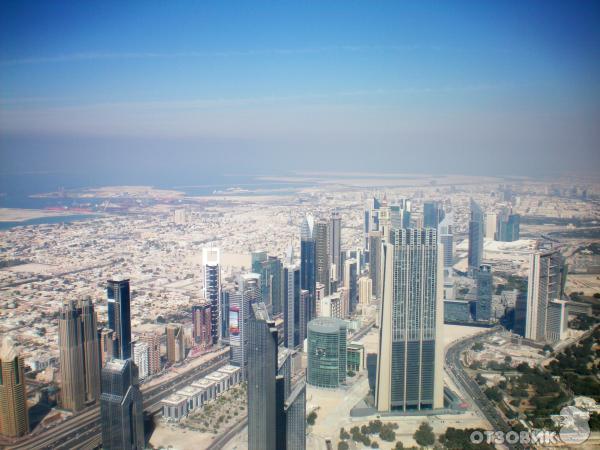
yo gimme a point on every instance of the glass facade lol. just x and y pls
(119, 316)
(327, 352)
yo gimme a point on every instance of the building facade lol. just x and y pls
(327, 352)
(119, 316)
(485, 289)
(211, 261)
(14, 419)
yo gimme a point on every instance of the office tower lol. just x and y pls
(141, 359)
(491, 220)
(335, 245)
(121, 411)
(350, 283)
(372, 206)
(331, 306)
(303, 317)
(248, 292)
(319, 295)
(119, 316)
(433, 214)
(544, 284)
(201, 325)
(226, 293)
(175, 343)
(398, 216)
(291, 312)
(308, 272)
(409, 369)
(79, 354)
(152, 340)
(447, 240)
(558, 320)
(269, 268)
(107, 345)
(212, 288)
(508, 227)
(14, 421)
(326, 352)
(375, 262)
(365, 291)
(475, 237)
(276, 412)
(322, 262)
(485, 287)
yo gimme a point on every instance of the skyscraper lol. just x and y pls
(409, 367)
(322, 262)
(152, 340)
(269, 268)
(490, 222)
(371, 218)
(335, 244)
(141, 359)
(292, 308)
(276, 411)
(121, 409)
(433, 214)
(476, 226)
(544, 284)
(375, 262)
(14, 420)
(350, 283)
(326, 352)
(447, 240)
(79, 354)
(484, 279)
(175, 343)
(365, 290)
(308, 263)
(508, 227)
(248, 292)
(119, 316)
(212, 288)
(201, 325)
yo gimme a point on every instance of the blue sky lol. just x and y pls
(473, 87)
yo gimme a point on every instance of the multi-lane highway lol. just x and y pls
(470, 389)
(83, 430)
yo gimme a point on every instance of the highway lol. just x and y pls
(470, 388)
(83, 431)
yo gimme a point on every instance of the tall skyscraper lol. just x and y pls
(141, 359)
(79, 354)
(119, 316)
(276, 412)
(201, 325)
(121, 409)
(409, 368)
(152, 340)
(175, 343)
(365, 291)
(269, 268)
(508, 227)
(248, 292)
(483, 308)
(212, 288)
(327, 352)
(372, 206)
(292, 309)
(447, 240)
(14, 419)
(375, 239)
(544, 284)
(335, 245)
(490, 222)
(351, 283)
(308, 272)
(323, 264)
(475, 237)
(433, 214)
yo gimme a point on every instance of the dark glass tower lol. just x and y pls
(308, 264)
(292, 314)
(433, 214)
(476, 226)
(119, 317)
(483, 309)
(121, 407)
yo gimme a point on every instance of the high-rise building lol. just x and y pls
(308, 272)
(326, 352)
(475, 237)
(322, 262)
(140, 358)
(447, 240)
(335, 245)
(121, 409)
(483, 307)
(433, 214)
(201, 325)
(544, 284)
(276, 412)
(331, 306)
(14, 419)
(491, 220)
(152, 340)
(175, 343)
(508, 227)
(79, 354)
(292, 310)
(375, 240)
(319, 296)
(558, 320)
(269, 268)
(351, 283)
(107, 345)
(212, 288)
(119, 316)
(248, 292)
(365, 291)
(409, 369)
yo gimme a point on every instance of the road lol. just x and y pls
(83, 431)
(470, 388)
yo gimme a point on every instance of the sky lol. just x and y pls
(141, 89)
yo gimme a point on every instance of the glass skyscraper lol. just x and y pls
(483, 308)
(308, 264)
(212, 288)
(409, 369)
(476, 227)
(119, 318)
(326, 352)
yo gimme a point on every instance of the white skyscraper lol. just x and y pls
(140, 358)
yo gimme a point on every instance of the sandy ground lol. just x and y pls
(21, 215)
(173, 437)
(588, 284)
